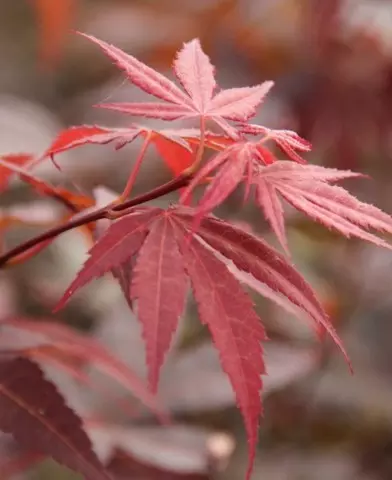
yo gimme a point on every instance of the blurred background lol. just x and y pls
(331, 61)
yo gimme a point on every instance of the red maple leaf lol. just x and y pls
(157, 241)
(287, 140)
(70, 350)
(308, 188)
(174, 149)
(231, 166)
(34, 412)
(195, 73)
(154, 253)
(238, 161)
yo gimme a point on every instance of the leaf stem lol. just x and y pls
(200, 150)
(104, 212)
(131, 180)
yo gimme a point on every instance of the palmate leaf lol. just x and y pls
(119, 243)
(34, 412)
(268, 199)
(195, 72)
(232, 163)
(250, 254)
(69, 350)
(235, 329)
(230, 166)
(122, 273)
(308, 188)
(287, 140)
(159, 285)
(91, 134)
(157, 242)
(173, 149)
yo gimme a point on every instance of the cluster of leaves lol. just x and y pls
(337, 103)
(155, 253)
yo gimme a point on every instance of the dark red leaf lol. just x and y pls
(70, 350)
(235, 328)
(122, 274)
(33, 411)
(159, 284)
(118, 244)
(253, 256)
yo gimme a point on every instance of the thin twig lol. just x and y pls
(104, 212)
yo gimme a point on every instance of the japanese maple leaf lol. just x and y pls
(196, 74)
(287, 140)
(174, 149)
(70, 350)
(91, 134)
(238, 161)
(157, 241)
(231, 166)
(308, 189)
(34, 412)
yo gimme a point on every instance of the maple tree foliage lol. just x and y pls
(157, 254)
(36, 415)
(68, 349)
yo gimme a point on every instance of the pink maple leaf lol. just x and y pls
(308, 189)
(157, 241)
(231, 166)
(194, 71)
(287, 140)
(159, 265)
